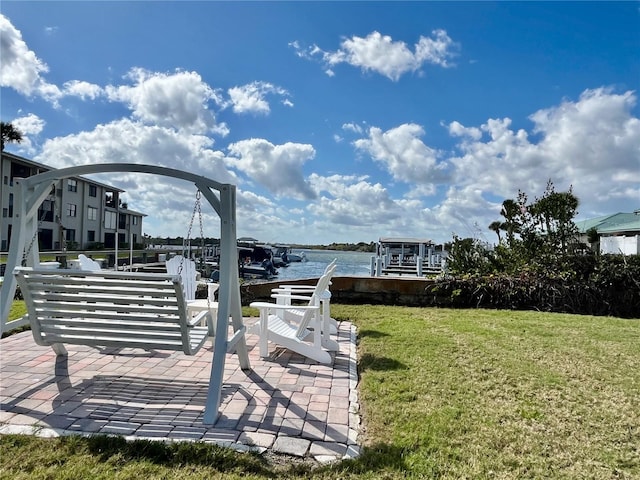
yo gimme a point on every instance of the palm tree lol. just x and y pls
(10, 134)
(511, 212)
(496, 227)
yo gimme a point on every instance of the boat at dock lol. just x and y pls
(287, 255)
(256, 262)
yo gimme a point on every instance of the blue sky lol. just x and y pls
(338, 121)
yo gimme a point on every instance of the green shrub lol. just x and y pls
(606, 285)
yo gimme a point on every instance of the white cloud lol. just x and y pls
(586, 131)
(381, 54)
(261, 217)
(465, 212)
(20, 68)
(436, 50)
(179, 100)
(29, 126)
(277, 167)
(168, 202)
(456, 129)
(592, 144)
(84, 90)
(403, 154)
(352, 127)
(351, 201)
(251, 98)
(366, 210)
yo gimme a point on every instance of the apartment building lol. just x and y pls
(78, 214)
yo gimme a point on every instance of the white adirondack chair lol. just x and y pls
(186, 268)
(304, 336)
(285, 294)
(88, 264)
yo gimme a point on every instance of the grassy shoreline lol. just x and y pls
(444, 394)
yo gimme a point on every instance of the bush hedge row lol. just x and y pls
(593, 285)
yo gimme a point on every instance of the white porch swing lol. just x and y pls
(50, 289)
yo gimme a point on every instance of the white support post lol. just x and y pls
(229, 304)
(15, 253)
(25, 228)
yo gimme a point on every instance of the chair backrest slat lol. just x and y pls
(321, 286)
(186, 268)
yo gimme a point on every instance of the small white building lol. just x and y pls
(618, 233)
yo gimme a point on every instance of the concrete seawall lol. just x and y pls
(406, 291)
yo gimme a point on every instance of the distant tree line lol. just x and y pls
(346, 247)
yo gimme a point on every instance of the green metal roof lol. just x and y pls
(614, 223)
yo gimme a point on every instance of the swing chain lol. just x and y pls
(186, 244)
(27, 252)
(202, 264)
(197, 208)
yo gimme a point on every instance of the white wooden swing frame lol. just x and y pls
(32, 191)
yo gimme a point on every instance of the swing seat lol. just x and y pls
(111, 309)
(123, 309)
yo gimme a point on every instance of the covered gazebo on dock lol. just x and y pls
(406, 256)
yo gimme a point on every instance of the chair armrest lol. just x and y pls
(288, 293)
(295, 287)
(275, 306)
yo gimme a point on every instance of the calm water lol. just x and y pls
(349, 264)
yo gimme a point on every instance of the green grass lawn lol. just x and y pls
(445, 394)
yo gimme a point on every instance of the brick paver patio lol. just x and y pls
(286, 404)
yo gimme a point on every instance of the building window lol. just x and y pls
(18, 171)
(91, 235)
(110, 220)
(72, 185)
(70, 235)
(45, 212)
(110, 200)
(134, 220)
(71, 210)
(11, 205)
(93, 191)
(6, 180)
(92, 213)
